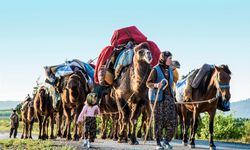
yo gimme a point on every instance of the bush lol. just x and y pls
(225, 127)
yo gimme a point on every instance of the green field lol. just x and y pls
(19, 144)
(5, 113)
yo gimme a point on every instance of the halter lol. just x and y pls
(220, 86)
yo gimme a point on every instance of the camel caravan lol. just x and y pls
(131, 79)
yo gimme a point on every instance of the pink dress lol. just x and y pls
(88, 111)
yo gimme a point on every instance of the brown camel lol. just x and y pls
(109, 111)
(28, 117)
(73, 97)
(43, 109)
(131, 92)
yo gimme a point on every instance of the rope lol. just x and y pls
(198, 102)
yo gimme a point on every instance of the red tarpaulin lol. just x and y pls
(122, 36)
(104, 55)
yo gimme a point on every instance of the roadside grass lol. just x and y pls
(5, 126)
(29, 144)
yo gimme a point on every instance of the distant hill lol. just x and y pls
(8, 104)
(241, 109)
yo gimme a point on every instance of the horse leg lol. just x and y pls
(181, 126)
(194, 127)
(185, 125)
(211, 129)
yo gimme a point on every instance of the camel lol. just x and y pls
(43, 109)
(109, 110)
(131, 92)
(73, 97)
(28, 117)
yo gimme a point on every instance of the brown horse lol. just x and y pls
(43, 109)
(28, 118)
(73, 98)
(204, 99)
(131, 94)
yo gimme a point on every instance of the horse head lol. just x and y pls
(222, 81)
(142, 53)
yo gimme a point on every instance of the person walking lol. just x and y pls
(165, 116)
(88, 116)
(14, 123)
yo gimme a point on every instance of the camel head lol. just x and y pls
(142, 53)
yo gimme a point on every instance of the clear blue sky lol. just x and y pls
(38, 33)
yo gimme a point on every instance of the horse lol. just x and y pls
(28, 118)
(131, 94)
(43, 109)
(205, 99)
(73, 97)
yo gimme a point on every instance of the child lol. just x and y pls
(88, 115)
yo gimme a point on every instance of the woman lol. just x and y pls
(164, 112)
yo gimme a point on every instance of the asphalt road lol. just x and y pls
(113, 145)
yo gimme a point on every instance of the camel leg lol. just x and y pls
(22, 136)
(40, 121)
(59, 122)
(115, 126)
(104, 119)
(78, 111)
(67, 113)
(30, 128)
(139, 133)
(133, 121)
(123, 120)
(44, 136)
(52, 125)
(148, 114)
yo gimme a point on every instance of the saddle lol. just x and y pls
(194, 79)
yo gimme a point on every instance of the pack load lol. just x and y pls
(55, 75)
(119, 55)
(185, 86)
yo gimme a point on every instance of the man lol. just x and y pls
(164, 112)
(14, 122)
